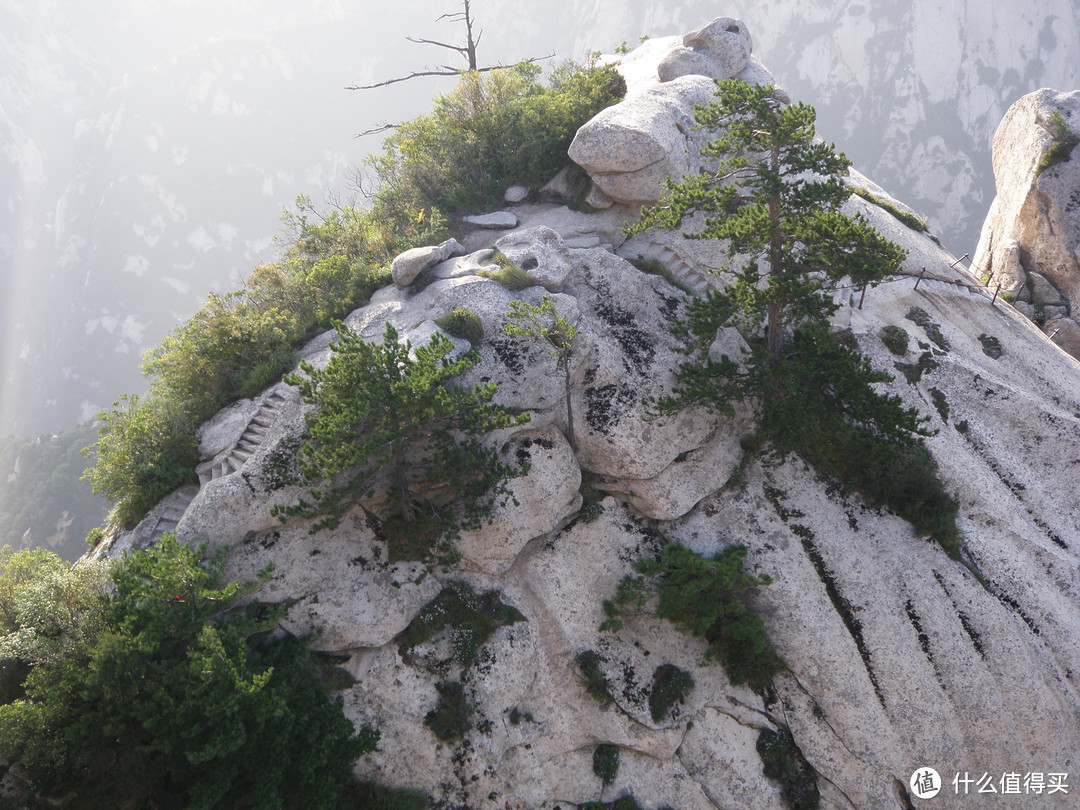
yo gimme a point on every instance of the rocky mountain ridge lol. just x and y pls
(898, 657)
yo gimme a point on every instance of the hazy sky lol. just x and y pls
(148, 147)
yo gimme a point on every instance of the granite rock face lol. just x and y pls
(1030, 242)
(897, 656)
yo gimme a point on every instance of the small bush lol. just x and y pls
(95, 536)
(670, 685)
(592, 677)
(991, 346)
(464, 324)
(895, 339)
(708, 598)
(494, 129)
(450, 719)
(783, 761)
(605, 762)
(962, 426)
(510, 275)
(913, 221)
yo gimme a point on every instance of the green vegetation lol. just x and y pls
(991, 346)
(464, 324)
(494, 129)
(771, 206)
(546, 324)
(913, 221)
(940, 403)
(783, 761)
(236, 345)
(605, 762)
(387, 423)
(510, 275)
(592, 677)
(913, 371)
(470, 617)
(709, 598)
(920, 317)
(451, 718)
(41, 492)
(165, 691)
(813, 394)
(670, 685)
(895, 339)
(1061, 148)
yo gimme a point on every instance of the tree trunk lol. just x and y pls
(401, 483)
(470, 42)
(569, 408)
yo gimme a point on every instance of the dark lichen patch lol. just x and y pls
(965, 621)
(991, 346)
(467, 617)
(777, 497)
(840, 604)
(1013, 605)
(940, 403)
(638, 344)
(509, 353)
(1054, 537)
(919, 317)
(913, 371)
(916, 623)
(604, 405)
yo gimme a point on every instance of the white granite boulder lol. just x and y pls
(539, 251)
(719, 50)
(408, 265)
(630, 148)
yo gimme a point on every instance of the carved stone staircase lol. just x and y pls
(250, 441)
(698, 281)
(172, 510)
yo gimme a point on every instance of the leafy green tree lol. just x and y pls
(387, 419)
(775, 191)
(146, 448)
(492, 130)
(709, 598)
(546, 324)
(177, 699)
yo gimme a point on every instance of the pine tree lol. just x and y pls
(775, 196)
(388, 420)
(776, 192)
(545, 323)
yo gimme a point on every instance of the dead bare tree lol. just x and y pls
(468, 51)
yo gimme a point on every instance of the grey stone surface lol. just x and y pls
(407, 266)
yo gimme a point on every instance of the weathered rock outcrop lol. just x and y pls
(898, 657)
(630, 148)
(1030, 242)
